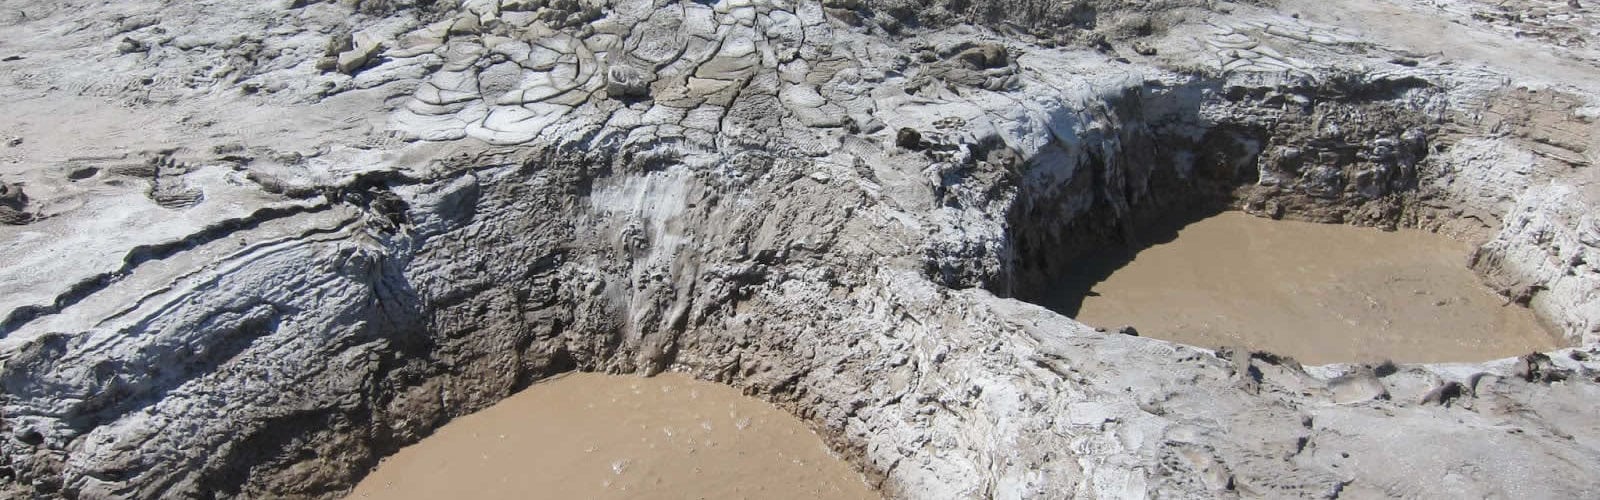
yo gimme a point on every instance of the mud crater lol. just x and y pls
(1196, 225)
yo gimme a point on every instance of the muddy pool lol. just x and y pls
(1321, 293)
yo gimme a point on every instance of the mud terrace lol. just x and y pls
(252, 247)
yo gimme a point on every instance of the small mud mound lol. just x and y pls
(169, 189)
(175, 194)
(12, 205)
(146, 170)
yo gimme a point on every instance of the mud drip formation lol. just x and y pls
(404, 213)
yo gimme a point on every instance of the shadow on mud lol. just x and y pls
(1078, 280)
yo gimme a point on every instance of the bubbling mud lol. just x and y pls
(598, 436)
(1321, 293)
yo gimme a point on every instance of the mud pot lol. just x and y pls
(599, 436)
(1322, 293)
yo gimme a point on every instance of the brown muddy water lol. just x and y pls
(1321, 293)
(596, 436)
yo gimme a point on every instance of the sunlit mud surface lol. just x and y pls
(1319, 292)
(600, 436)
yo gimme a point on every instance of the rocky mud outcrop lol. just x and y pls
(263, 244)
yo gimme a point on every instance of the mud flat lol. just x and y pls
(1322, 293)
(598, 436)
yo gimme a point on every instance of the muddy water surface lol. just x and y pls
(1319, 292)
(598, 436)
